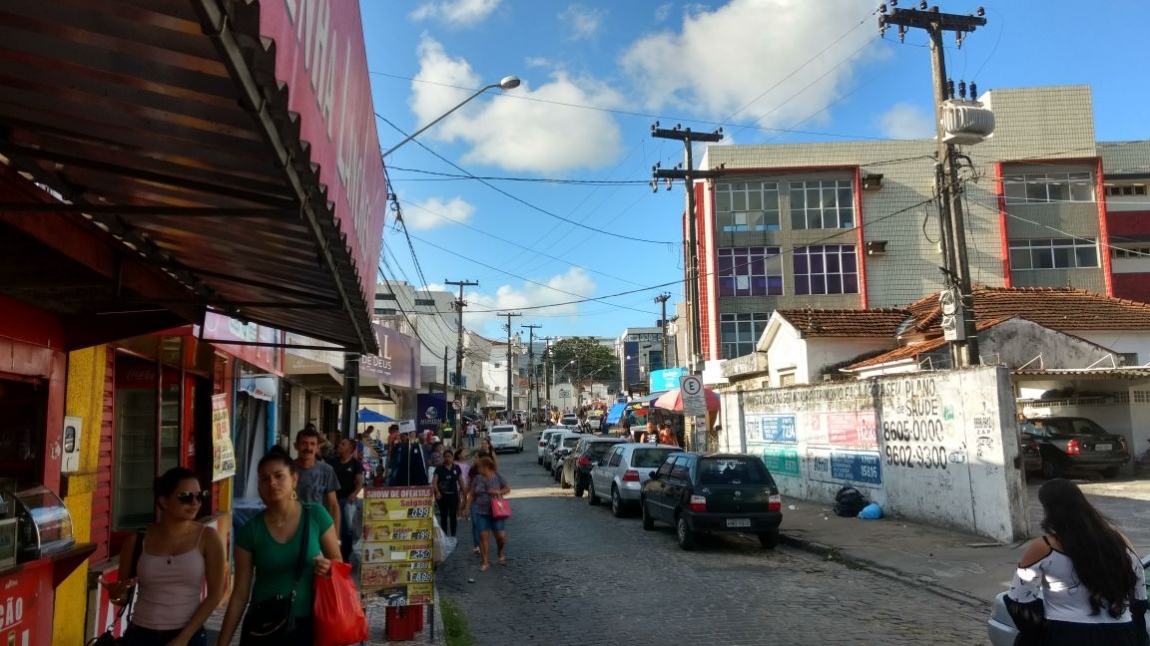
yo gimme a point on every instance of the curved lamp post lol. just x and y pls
(508, 83)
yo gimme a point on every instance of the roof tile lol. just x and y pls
(873, 323)
(914, 350)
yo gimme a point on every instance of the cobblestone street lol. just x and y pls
(577, 575)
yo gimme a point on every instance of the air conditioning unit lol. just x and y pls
(965, 122)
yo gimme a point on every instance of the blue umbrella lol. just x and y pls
(367, 415)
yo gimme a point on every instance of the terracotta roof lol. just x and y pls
(876, 323)
(915, 350)
(1056, 308)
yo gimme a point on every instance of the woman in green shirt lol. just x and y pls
(268, 549)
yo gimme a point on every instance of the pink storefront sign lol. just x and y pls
(320, 55)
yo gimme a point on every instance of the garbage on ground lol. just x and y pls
(872, 511)
(849, 502)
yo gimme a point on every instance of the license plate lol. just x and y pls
(1103, 447)
(738, 522)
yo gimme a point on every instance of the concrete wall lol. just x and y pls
(1137, 342)
(939, 449)
(1017, 342)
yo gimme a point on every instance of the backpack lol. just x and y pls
(849, 502)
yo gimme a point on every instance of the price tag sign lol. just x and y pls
(397, 544)
(691, 391)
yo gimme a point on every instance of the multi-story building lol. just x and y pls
(854, 225)
(428, 316)
(640, 350)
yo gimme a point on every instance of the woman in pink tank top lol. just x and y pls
(179, 555)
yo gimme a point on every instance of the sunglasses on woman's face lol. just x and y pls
(192, 497)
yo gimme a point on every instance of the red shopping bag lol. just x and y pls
(339, 616)
(500, 508)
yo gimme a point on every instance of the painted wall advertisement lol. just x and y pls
(223, 451)
(397, 545)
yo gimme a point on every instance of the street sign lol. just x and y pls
(691, 391)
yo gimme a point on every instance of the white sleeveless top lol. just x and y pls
(1053, 580)
(171, 588)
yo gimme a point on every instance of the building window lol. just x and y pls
(385, 311)
(825, 204)
(750, 271)
(740, 332)
(385, 297)
(1056, 253)
(1039, 188)
(747, 206)
(425, 302)
(1130, 252)
(1126, 190)
(826, 269)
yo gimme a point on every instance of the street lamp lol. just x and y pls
(508, 83)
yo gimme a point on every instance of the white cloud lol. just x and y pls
(723, 59)
(907, 121)
(436, 212)
(456, 12)
(663, 11)
(582, 21)
(516, 133)
(512, 299)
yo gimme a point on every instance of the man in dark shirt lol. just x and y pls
(349, 472)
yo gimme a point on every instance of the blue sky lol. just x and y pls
(596, 74)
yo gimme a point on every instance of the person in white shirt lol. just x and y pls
(471, 433)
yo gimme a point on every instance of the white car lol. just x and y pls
(505, 437)
(570, 420)
(545, 436)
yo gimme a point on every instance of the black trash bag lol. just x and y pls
(849, 502)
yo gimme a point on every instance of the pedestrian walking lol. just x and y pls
(349, 472)
(410, 467)
(487, 447)
(470, 509)
(446, 483)
(471, 433)
(666, 435)
(317, 482)
(278, 554)
(173, 561)
(489, 484)
(1081, 583)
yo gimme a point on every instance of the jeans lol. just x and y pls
(140, 636)
(348, 513)
(474, 525)
(471, 440)
(449, 514)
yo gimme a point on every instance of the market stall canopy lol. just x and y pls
(644, 401)
(672, 400)
(229, 145)
(368, 416)
(616, 412)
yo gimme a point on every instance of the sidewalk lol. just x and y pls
(966, 568)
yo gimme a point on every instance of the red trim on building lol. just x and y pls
(1135, 224)
(861, 254)
(1103, 228)
(1004, 236)
(706, 291)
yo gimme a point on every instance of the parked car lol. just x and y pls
(620, 474)
(595, 420)
(553, 444)
(570, 420)
(722, 492)
(1075, 443)
(506, 437)
(562, 450)
(545, 437)
(1001, 628)
(577, 467)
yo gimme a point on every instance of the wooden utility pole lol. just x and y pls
(661, 299)
(547, 373)
(964, 349)
(691, 257)
(531, 392)
(459, 305)
(510, 403)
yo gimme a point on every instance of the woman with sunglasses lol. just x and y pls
(177, 557)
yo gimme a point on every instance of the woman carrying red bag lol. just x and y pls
(489, 485)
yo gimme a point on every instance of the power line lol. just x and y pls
(541, 180)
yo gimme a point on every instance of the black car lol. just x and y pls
(1073, 443)
(720, 492)
(577, 468)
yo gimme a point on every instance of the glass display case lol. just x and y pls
(45, 524)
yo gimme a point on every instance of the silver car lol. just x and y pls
(1001, 628)
(620, 474)
(505, 437)
(554, 443)
(545, 437)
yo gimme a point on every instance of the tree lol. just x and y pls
(584, 361)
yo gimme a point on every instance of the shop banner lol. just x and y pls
(320, 57)
(431, 411)
(397, 363)
(397, 545)
(24, 621)
(668, 379)
(219, 329)
(223, 451)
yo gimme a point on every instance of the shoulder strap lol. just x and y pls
(137, 550)
(303, 544)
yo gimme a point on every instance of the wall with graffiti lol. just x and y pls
(939, 448)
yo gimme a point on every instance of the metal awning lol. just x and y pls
(162, 123)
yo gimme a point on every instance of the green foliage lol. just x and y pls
(455, 628)
(591, 362)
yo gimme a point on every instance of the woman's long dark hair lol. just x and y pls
(1100, 554)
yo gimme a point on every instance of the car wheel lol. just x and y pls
(1051, 468)
(648, 522)
(539, 461)
(579, 488)
(769, 540)
(1110, 472)
(684, 534)
(618, 506)
(592, 499)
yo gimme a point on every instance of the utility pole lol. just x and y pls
(547, 372)
(964, 349)
(531, 393)
(446, 349)
(510, 403)
(459, 305)
(661, 299)
(691, 259)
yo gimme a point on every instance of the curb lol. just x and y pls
(923, 582)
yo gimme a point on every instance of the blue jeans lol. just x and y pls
(140, 636)
(474, 525)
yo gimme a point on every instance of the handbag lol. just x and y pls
(270, 621)
(339, 616)
(500, 508)
(106, 638)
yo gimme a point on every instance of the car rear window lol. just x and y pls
(598, 449)
(1069, 426)
(570, 441)
(503, 429)
(649, 458)
(732, 471)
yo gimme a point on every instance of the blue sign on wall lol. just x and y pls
(666, 379)
(778, 428)
(856, 467)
